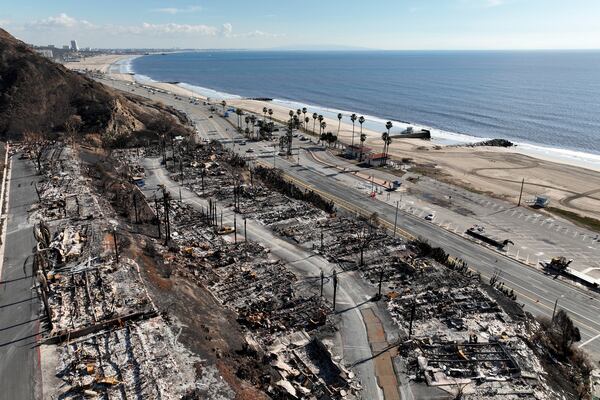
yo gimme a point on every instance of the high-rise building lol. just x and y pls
(74, 45)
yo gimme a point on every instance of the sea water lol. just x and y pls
(547, 101)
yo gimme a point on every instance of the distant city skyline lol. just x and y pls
(266, 24)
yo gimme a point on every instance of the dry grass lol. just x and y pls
(586, 222)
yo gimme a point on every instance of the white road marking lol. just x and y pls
(589, 341)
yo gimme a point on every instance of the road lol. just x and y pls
(537, 291)
(536, 236)
(19, 306)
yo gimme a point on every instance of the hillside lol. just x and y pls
(39, 95)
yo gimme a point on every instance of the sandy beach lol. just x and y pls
(498, 171)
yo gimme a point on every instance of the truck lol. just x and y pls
(395, 185)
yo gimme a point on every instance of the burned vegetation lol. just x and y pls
(156, 291)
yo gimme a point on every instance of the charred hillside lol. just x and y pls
(39, 95)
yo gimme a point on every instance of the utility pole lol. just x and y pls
(234, 227)
(380, 282)
(322, 280)
(116, 245)
(396, 218)
(245, 232)
(321, 239)
(335, 283)
(554, 310)
(157, 217)
(135, 207)
(412, 317)
(181, 170)
(521, 193)
(37, 191)
(167, 219)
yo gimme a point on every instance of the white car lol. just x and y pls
(429, 217)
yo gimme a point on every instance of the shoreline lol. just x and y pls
(567, 177)
(374, 124)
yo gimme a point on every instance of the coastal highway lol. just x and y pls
(537, 291)
(20, 375)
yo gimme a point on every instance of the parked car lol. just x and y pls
(429, 217)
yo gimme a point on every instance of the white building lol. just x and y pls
(45, 52)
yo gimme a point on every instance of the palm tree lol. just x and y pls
(253, 120)
(353, 119)
(387, 145)
(384, 137)
(315, 116)
(388, 126)
(270, 114)
(306, 121)
(361, 120)
(291, 113)
(239, 113)
(247, 119)
(298, 112)
(363, 137)
(264, 114)
(323, 126)
(332, 138)
(304, 111)
(322, 136)
(224, 104)
(339, 122)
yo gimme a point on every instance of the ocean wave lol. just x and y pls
(207, 92)
(124, 66)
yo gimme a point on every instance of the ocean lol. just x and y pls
(547, 100)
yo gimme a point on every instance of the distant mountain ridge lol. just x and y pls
(39, 95)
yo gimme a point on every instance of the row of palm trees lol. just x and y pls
(327, 137)
(330, 138)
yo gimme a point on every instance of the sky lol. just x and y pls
(311, 24)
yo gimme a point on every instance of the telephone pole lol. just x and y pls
(396, 218)
(335, 283)
(521, 193)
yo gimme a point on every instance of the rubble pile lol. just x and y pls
(261, 291)
(269, 301)
(63, 192)
(109, 340)
(135, 361)
(459, 338)
(353, 244)
(453, 336)
(212, 172)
